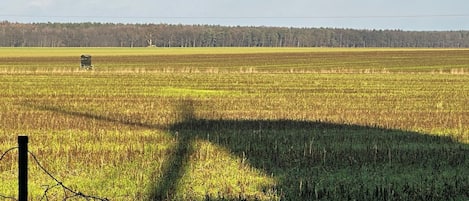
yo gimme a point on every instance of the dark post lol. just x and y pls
(22, 168)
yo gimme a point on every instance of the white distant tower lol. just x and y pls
(150, 41)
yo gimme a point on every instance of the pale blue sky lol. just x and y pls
(359, 14)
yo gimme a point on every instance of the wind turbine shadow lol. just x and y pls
(302, 154)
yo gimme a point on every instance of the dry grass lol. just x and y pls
(192, 124)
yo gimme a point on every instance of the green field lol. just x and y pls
(239, 123)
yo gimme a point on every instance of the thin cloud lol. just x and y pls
(43, 4)
(368, 14)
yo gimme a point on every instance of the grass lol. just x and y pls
(240, 123)
(241, 60)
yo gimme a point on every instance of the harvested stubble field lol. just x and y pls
(240, 123)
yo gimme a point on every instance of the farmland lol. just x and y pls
(240, 123)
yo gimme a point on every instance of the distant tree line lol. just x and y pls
(165, 35)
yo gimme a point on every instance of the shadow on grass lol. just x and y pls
(327, 161)
(315, 160)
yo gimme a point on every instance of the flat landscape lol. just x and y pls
(238, 123)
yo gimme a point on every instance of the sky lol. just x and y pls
(418, 15)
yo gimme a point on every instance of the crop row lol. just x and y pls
(411, 102)
(231, 135)
(199, 61)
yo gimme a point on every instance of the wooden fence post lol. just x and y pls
(22, 168)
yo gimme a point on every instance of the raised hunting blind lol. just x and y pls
(86, 62)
